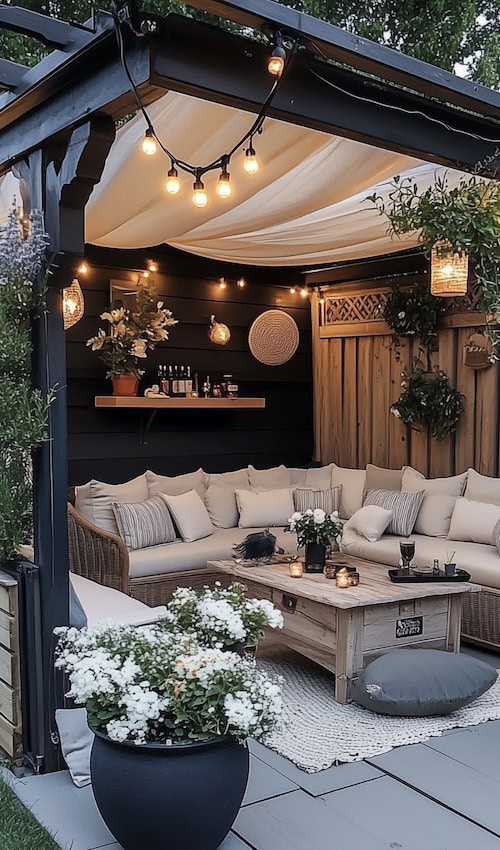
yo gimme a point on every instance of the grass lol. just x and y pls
(19, 829)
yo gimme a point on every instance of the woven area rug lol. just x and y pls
(317, 732)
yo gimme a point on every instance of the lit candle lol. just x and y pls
(296, 569)
(354, 579)
(330, 571)
(342, 579)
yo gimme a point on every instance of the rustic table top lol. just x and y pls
(374, 588)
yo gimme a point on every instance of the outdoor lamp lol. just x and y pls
(223, 188)
(148, 143)
(449, 271)
(218, 332)
(250, 163)
(73, 304)
(200, 197)
(173, 184)
(277, 58)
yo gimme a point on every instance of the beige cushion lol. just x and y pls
(237, 478)
(379, 478)
(370, 522)
(190, 515)
(496, 536)
(298, 476)
(474, 521)
(264, 508)
(221, 505)
(95, 500)
(415, 481)
(482, 488)
(175, 557)
(144, 523)
(177, 484)
(269, 479)
(317, 476)
(352, 482)
(102, 603)
(311, 497)
(404, 506)
(434, 516)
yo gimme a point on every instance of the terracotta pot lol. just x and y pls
(125, 385)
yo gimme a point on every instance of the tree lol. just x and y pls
(443, 32)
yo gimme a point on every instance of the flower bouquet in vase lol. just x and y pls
(315, 530)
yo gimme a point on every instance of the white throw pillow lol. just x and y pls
(269, 479)
(369, 522)
(76, 743)
(177, 484)
(434, 516)
(352, 482)
(95, 500)
(482, 488)
(265, 508)
(415, 482)
(190, 515)
(474, 522)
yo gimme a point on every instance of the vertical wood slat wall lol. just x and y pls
(356, 379)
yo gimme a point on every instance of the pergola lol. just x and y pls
(57, 124)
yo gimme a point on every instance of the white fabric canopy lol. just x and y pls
(306, 205)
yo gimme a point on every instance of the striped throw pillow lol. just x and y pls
(143, 524)
(310, 497)
(404, 505)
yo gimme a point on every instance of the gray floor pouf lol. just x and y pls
(422, 682)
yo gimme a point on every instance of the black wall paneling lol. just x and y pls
(105, 444)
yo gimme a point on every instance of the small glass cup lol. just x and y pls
(407, 549)
(296, 569)
(343, 578)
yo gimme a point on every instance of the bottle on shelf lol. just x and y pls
(188, 382)
(229, 388)
(175, 382)
(217, 390)
(207, 386)
(196, 390)
(165, 382)
(182, 381)
(170, 380)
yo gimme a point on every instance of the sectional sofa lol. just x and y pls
(205, 515)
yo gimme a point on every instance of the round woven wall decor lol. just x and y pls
(273, 337)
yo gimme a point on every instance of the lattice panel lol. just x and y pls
(469, 302)
(365, 307)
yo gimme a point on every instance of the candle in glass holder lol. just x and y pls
(342, 578)
(354, 579)
(330, 571)
(296, 569)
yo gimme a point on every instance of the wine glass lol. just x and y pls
(407, 549)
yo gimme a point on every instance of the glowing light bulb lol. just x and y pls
(173, 184)
(250, 163)
(145, 274)
(152, 266)
(83, 268)
(149, 146)
(321, 300)
(241, 282)
(222, 283)
(200, 197)
(223, 188)
(276, 61)
(447, 270)
(292, 290)
(304, 293)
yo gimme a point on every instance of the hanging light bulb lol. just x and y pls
(223, 188)
(200, 197)
(241, 282)
(250, 163)
(304, 293)
(292, 290)
(83, 268)
(152, 266)
(321, 300)
(149, 146)
(277, 58)
(173, 184)
(145, 274)
(222, 283)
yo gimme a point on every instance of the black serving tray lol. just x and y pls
(403, 578)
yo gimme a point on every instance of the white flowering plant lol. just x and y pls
(315, 526)
(132, 333)
(222, 617)
(156, 685)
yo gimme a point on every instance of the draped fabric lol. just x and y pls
(306, 205)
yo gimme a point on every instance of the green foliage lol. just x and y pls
(428, 401)
(19, 829)
(414, 313)
(23, 411)
(440, 32)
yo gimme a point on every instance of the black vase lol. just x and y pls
(315, 556)
(155, 796)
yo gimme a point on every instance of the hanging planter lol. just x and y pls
(428, 402)
(449, 271)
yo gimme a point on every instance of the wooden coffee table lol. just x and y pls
(344, 629)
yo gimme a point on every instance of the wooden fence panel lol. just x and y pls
(466, 383)
(365, 400)
(381, 400)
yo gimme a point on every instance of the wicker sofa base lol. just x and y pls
(481, 617)
(158, 590)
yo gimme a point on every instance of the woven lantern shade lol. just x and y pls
(273, 337)
(218, 332)
(449, 271)
(73, 304)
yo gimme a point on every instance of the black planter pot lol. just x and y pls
(315, 556)
(180, 797)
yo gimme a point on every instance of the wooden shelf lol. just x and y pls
(159, 403)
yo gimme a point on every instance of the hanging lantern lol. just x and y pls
(73, 304)
(218, 332)
(449, 271)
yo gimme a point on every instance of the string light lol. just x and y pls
(223, 188)
(83, 268)
(241, 282)
(152, 266)
(200, 197)
(304, 292)
(173, 184)
(149, 146)
(276, 61)
(145, 274)
(292, 290)
(222, 283)
(250, 163)
(321, 300)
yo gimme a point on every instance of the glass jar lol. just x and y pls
(229, 388)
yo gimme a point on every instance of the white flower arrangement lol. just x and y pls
(222, 617)
(154, 684)
(315, 526)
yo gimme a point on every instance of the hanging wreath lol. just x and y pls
(413, 312)
(428, 401)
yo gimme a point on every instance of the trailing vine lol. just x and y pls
(428, 401)
(414, 313)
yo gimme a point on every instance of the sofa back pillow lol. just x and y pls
(404, 507)
(277, 478)
(220, 496)
(434, 516)
(265, 508)
(95, 500)
(380, 478)
(143, 524)
(190, 515)
(474, 522)
(414, 481)
(482, 488)
(176, 485)
(352, 482)
(369, 522)
(312, 497)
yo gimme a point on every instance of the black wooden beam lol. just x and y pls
(412, 262)
(50, 31)
(361, 53)
(206, 62)
(11, 74)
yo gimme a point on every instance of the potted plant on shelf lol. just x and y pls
(131, 334)
(315, 530)
(224, 618)
(169, 762)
